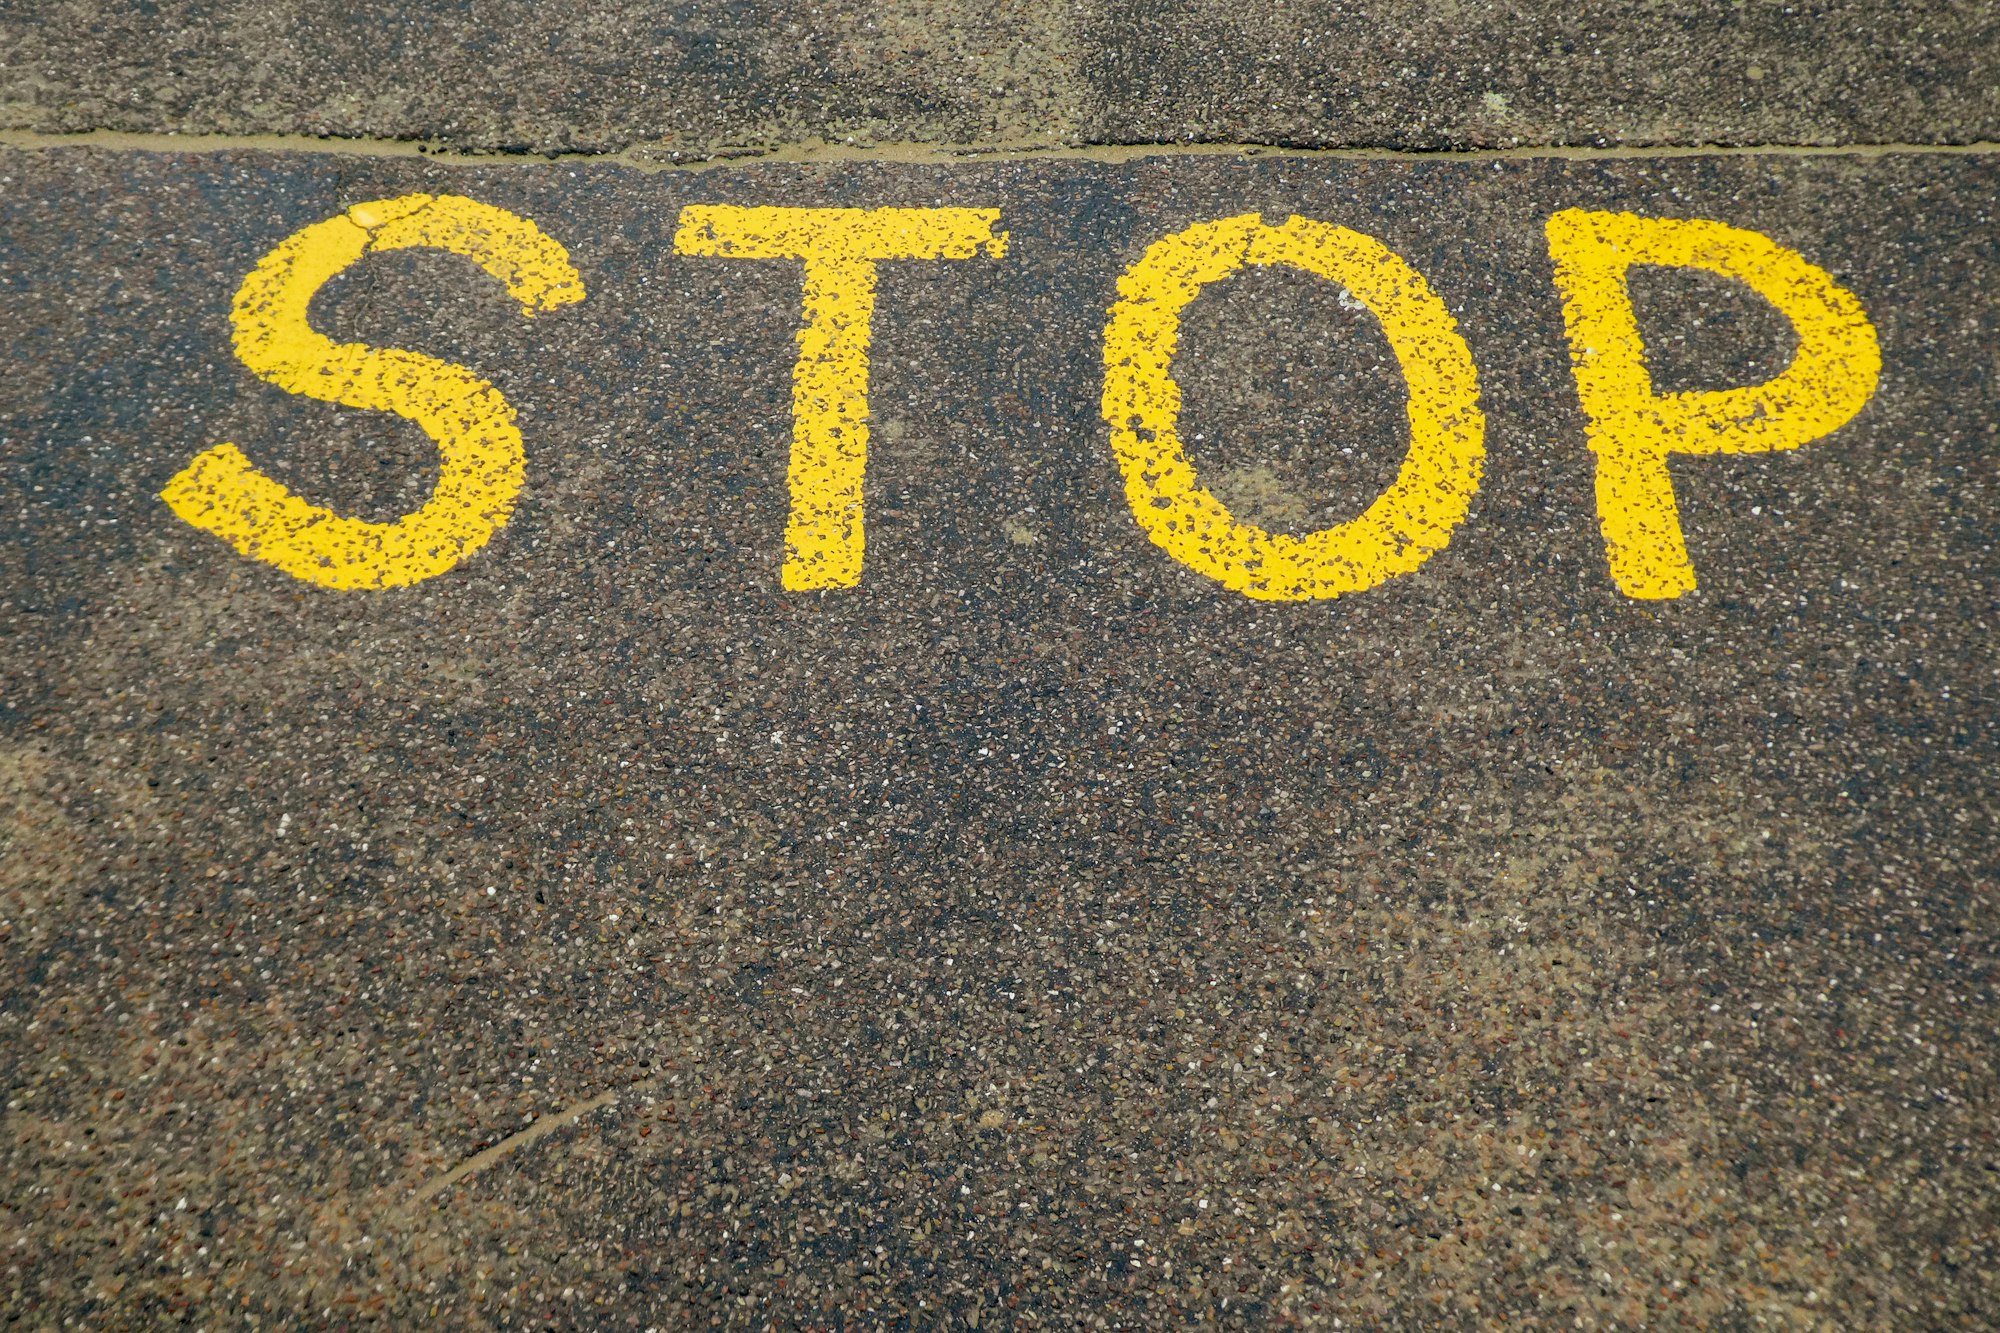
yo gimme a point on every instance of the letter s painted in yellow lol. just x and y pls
(480, 453)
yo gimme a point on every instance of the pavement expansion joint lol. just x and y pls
(655, 158)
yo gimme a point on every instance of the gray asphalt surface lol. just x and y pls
(1038, 935)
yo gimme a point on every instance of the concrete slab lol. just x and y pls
(601, 934)
(695, 79)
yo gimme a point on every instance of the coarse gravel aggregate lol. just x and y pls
(1038, 935)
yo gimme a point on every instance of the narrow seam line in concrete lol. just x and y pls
(649, 158)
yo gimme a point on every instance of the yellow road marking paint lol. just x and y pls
(1405, 525)
(480, 452)
(825, 536)
(1632, 429)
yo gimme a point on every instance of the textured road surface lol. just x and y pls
(1037, 935)
(1039, 929)
(698, 76)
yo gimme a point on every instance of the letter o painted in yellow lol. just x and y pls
(1405, 525)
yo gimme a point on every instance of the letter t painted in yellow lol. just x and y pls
(825, 537)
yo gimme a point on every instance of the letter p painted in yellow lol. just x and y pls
(1633, 429)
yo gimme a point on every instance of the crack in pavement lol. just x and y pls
(541, 1128)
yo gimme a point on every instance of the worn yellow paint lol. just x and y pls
(479, 446)
(825, 536)
(1633, 429)
(1404, 526)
